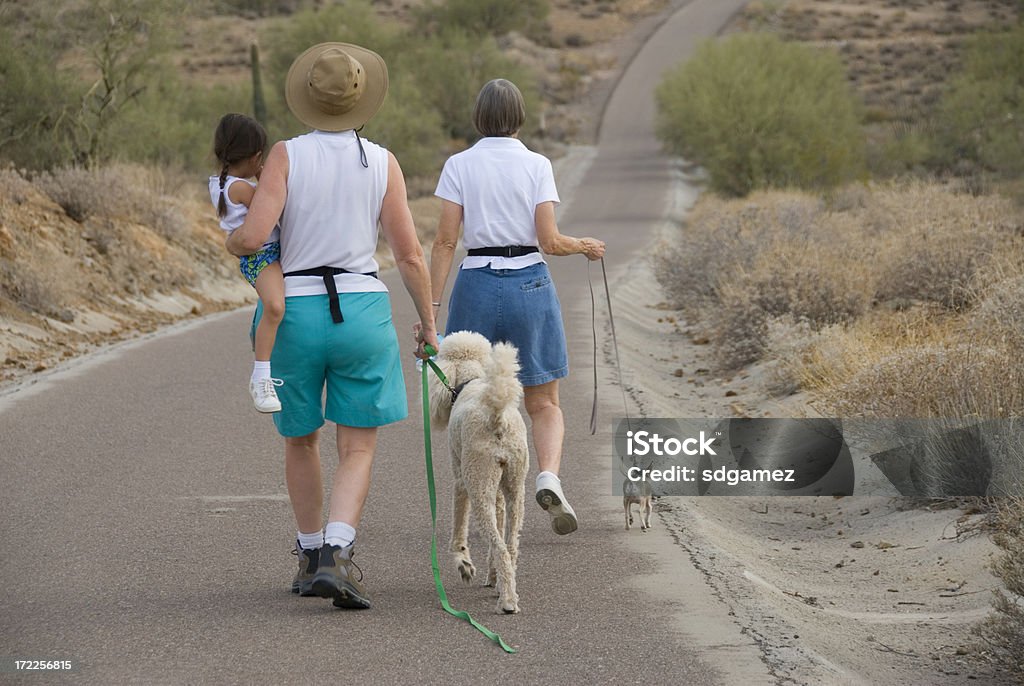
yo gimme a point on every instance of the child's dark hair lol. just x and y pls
(237, 138)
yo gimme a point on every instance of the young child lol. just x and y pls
(239, 143)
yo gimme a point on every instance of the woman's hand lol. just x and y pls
(592, 248)
(424, 337)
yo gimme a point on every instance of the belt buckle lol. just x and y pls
(508, 250)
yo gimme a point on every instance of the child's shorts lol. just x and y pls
(252, 265)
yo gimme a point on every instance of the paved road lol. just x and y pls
(146, 528)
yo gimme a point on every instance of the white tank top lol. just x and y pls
(331, 212)
(236, 211)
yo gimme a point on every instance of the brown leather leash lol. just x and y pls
(615, 344)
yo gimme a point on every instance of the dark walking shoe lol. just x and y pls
(339, 578)
(308, 560)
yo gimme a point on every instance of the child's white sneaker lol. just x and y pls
(264, 397)
(551, 498)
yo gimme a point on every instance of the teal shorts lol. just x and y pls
(357, 361)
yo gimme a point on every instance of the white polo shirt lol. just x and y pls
(498, 182)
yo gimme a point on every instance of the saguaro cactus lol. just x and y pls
(259, 105)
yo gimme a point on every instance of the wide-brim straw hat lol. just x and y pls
(336, 86)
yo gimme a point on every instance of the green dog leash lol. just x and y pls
(433, 509)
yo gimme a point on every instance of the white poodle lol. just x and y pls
(487, 442)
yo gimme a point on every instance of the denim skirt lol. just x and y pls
(518, 306)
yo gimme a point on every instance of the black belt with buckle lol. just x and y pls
(505, 251)
(327, 274)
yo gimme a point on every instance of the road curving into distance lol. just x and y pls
(147, 529)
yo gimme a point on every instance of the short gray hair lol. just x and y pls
(500, 109)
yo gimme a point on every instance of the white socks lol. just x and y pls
(311, 541)
(544, 476)
(260, 370)
(339, 533)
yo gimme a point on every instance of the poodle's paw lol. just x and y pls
(466, 570)
(509, 606)
(492, 578)
(627, 527)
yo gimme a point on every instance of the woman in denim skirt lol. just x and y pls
(504, 196)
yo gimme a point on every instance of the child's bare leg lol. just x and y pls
(270, 288)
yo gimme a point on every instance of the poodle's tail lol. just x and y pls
(503, 387)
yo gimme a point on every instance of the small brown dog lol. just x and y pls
(637, 493)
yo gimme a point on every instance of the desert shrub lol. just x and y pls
(981, 116)
(118, 191)
(791, 280)
(782, 283)
(737, 328)
(80, 192)
(172, 123)
(260, 8)
(125, 41)
(951, 380)
(758, 112)
(453, 65)
(938, 269)
(14, 187)
(789, 347)
(33, 100)
(999, 316)
(1004, 631)
(739, 264)
(491, 17)
(408, 123)
(33, 291)
(719, 238)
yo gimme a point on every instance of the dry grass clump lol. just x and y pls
(939, 268)
(1004, 630)
(34, 291)
(999, 316)
(958, 380)
(897, 247)
(120, 191)
(14, 187)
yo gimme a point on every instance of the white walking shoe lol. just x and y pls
(264, 397)
(551, 498)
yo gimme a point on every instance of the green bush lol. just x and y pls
(407, 124)
(982, 114)
(452, 66)
(491, 17)
(33, 99)
(433, 79)
(757, 112)
(173, 123)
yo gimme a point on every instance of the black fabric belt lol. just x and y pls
(327, 274)
(505, 251)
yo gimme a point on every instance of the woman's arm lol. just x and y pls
(443, 251)
(400, 233)
(554, 243)
(266, 207)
